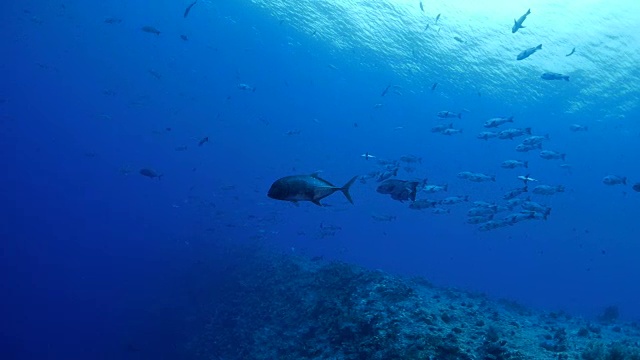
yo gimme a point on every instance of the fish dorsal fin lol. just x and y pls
(316, 175)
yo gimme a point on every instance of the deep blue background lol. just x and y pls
(95, 257)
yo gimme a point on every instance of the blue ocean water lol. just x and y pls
(98, 260)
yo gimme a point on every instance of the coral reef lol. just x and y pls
(285, 307)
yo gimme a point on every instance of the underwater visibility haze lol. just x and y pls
(203, 179)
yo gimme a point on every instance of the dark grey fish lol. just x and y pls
(554, 76)
(512, 194)
(150, 30)
(184, 37)
(386, 90)
(448, 115)
(526, 53)
(400, 190)
(306, 188)
(518, 23)
(571, 53)
(112, 20)
(150, 173)
(188, 9)
(636, 187)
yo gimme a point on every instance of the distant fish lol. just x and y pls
(112, 20)
(448, 114)
(636, 187)
(184, 38)
(306, 188)
(438, 18)
(401, 190)
(509, 134)
(440, 128)
(486, 135)
(615, 180)
(513, 193)
(451, 131)
(458, 39)
(554, 76)
(150, 30)
(188, 9)
(526, 178)
(293, 132)
(512, 164)
(571, 53)
(526, 53)
(452, 200)
(434, 86)
(203, 141)
(421, 6)
(495, 122)
(386, 90)
(578, 127)
(517, 24)
(547, 189)
(155, 74)
(552, 155)
(527, 148)
(245, 87)
(150, 173)
(535, 140)
(383, 218)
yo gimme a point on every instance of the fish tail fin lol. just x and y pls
(566, 78)
(345, 189)
(624, 180)
(526, 164)
(446, 187)
(510, 119)
(528, 11)
(539, 47)
(459, 115)
(562, 156)
(528, 130)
